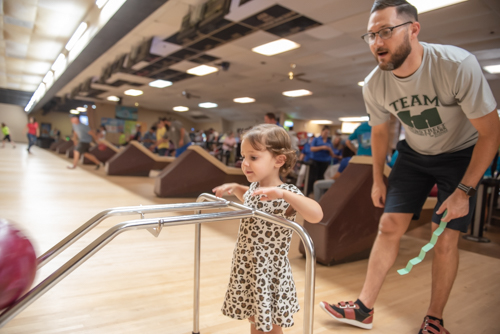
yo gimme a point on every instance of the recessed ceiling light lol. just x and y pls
(202, 70)
(322, 121)
(361, 83)
(74, 111)
(428, 5)
(100, 3)
(298, 92)
(207, 105)
(76, 36)
(94, 106)
(354, 119)
(133, 92)
(136, 104)
(273, 48)
(112, 98)
(493, 69)
(181, 108)
(160, 83)
(82, 109)
(244, 100)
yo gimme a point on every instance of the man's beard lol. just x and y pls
(397, 58)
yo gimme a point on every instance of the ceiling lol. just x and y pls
(33, 34)
(332, 56)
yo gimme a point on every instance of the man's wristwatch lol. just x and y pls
(469, 191)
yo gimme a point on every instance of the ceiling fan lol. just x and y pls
(188, 95)
(293, 76)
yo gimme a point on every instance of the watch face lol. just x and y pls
(471, 192)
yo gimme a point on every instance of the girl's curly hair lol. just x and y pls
(274, 139)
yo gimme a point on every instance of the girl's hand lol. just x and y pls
(269, 193)
(226, 188)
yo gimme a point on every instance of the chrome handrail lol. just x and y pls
(121, 211)
(157, 224)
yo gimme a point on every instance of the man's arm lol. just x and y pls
(488, 127)
(380, 142)
(351, 146)
(181, 140)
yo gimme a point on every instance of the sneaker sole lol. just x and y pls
(347, 321)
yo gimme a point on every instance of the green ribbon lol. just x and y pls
(426, 248)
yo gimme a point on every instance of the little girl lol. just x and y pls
(261, 286)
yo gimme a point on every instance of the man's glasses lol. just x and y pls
(384, 33)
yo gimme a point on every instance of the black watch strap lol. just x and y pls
(469, 191)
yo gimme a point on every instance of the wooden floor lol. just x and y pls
(139, 284)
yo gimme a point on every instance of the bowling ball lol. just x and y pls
(101, 147)
(17, 263)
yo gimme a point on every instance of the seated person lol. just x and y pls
(149, 138)
(228, 145)
(321, 186)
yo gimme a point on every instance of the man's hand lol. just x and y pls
(457, 205)
(181, 142)
(379, 191)
(269, 193)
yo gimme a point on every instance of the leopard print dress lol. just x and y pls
(261, 282)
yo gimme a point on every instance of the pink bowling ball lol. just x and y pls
(17, 263)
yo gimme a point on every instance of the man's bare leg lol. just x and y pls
(384, 252)
(92, 158)
(76, 157)
(444, 270)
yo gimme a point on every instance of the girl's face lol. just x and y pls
(260, 166)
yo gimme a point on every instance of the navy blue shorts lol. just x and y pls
(414, 175)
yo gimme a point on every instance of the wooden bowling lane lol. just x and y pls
(139, 283)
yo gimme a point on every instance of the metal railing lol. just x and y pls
(155, 225)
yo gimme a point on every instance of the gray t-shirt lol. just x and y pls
(435, 103)
(82, 131)
(174, 134)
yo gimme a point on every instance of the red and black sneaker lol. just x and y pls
(349, 313)
(432, 326)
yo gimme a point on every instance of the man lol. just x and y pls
(82, 137)
(177, 135)
(270, 118)
(441, 97)
(362, 135)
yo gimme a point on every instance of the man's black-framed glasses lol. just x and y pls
(384, 33)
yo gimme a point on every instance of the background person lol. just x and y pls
(6, 136)
(82, 137)
(32, 131)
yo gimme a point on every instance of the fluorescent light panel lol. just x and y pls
(160, 83)
(297, 93)
(322, 121)
(354, 119)
(74, 111)
(493, 69)
(202, 70)
(81, 109)
(244, 100)
(428, 5)
(100, 3)
(133, 92)
(181, 108)
(361, 83)
(59, 63)
(207, 105)
(76, 36)
(276, 47)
